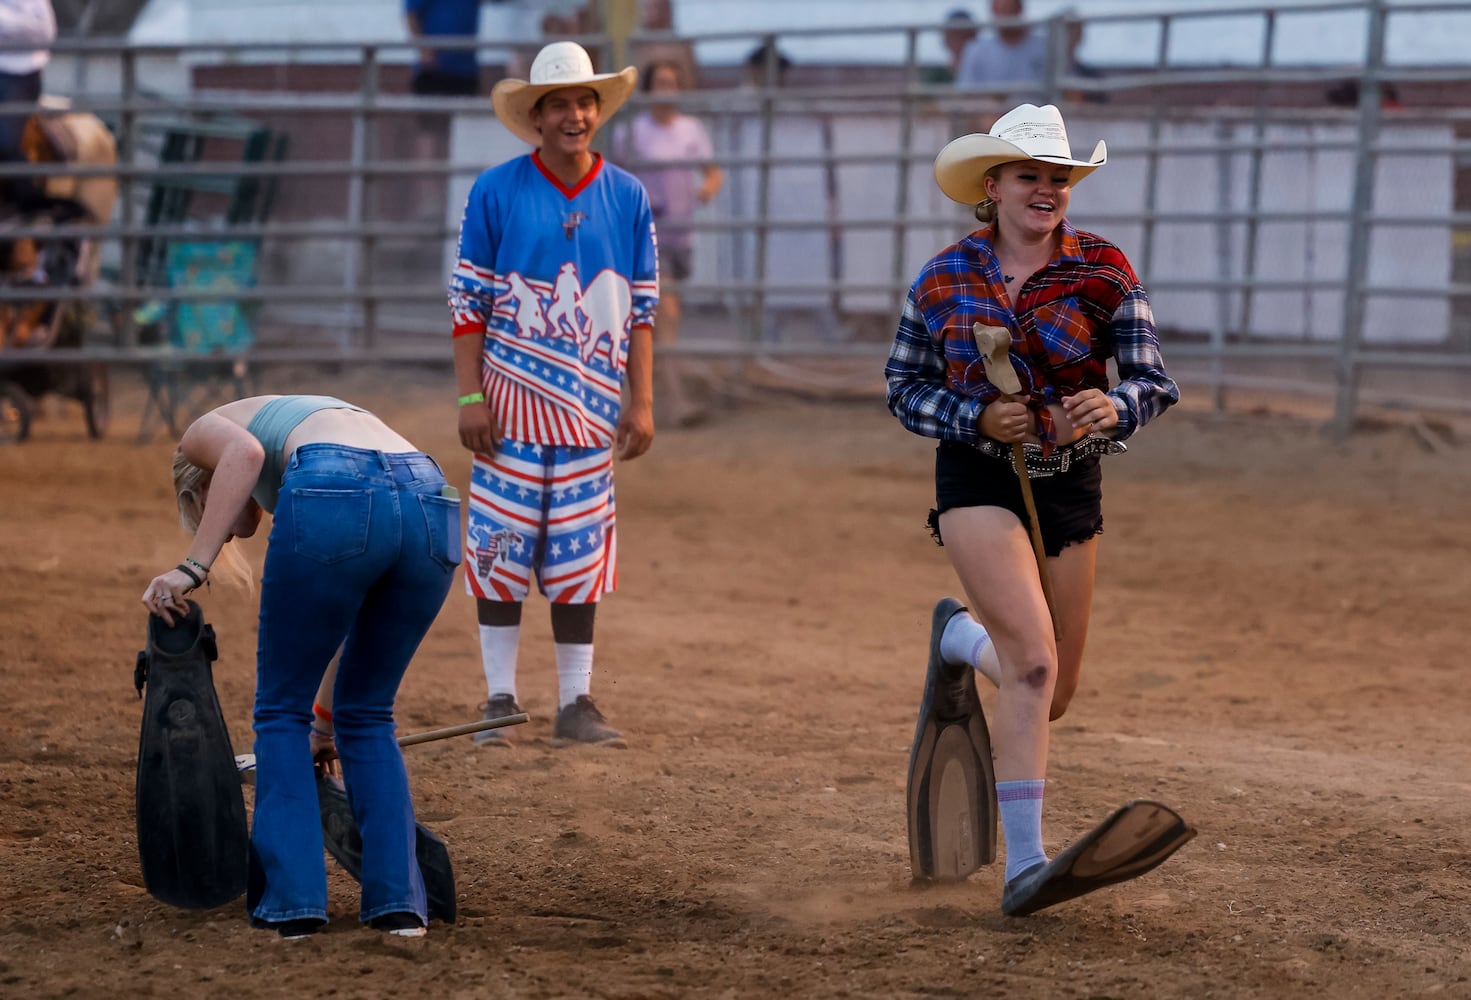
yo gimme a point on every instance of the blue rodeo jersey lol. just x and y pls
(555, 277)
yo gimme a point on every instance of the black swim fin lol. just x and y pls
(193, 841)
(345, 844)
(1137, 838)
(952, 780)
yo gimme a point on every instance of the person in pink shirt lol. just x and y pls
(663, 134)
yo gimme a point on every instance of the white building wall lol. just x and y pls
(1293, 180)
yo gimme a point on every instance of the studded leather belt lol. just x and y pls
(1061, 459)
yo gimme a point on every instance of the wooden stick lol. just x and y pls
(1019, 461)
(994, 343)
(463, 730)
(245, 763)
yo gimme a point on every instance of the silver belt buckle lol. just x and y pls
(1061, 460)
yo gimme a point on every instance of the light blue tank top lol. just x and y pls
(272, 425)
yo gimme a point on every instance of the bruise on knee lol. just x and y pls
(1036, 677)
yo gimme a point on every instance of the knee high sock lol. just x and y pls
(498, 645)
(1021, 823)
(966, 641)
(574, 671)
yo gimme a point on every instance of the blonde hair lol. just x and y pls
(986, 208)
(190, 484)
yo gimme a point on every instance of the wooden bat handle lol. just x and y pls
(463, 730)
(451, 731)
(1019, 461)
(994, 343)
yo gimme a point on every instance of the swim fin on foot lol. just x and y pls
(951, 790)
(345, 844)
(193, 842)
(1138, 837)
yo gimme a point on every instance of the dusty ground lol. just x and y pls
(1278, 650)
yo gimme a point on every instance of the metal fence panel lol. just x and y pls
(1253, 223)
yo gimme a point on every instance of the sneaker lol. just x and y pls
(581, 722)
(399, 924)
(295, 930)
(499, 707)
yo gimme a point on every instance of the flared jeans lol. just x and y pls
(362, 552)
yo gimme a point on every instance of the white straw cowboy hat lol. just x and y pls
(560, 64)
(1024, 133)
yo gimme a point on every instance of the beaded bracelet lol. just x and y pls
(197, 564)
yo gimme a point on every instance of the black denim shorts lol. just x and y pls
(1069, 504)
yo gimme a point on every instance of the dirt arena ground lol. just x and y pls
(1278, 650)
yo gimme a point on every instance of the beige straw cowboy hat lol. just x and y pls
(1024, 133)
(560, 64)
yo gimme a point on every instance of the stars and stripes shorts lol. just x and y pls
(545, 510)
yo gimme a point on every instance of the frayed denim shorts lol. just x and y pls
(1069, 504)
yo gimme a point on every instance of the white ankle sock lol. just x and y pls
(1021, 823)
(574, 671)
(498, 645)
(966, 641)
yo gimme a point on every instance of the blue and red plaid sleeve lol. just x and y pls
(1144, 390)
(918, 392)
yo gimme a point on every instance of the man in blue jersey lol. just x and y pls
(553, 298)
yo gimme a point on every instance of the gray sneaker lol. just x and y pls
(498, 707)
(581, 722)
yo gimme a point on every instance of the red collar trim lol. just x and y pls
(572, 192)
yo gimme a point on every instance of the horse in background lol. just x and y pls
(53, 134)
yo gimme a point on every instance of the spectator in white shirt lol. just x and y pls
(31, 23)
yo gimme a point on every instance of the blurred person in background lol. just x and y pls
(767, 65)
(958, 33)
(1075, 29)
(1015, 54)
(664, 133)
(443, 72)
(657, 17)
(32, 24)
(438, 72)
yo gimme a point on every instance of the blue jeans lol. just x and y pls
(362, 551)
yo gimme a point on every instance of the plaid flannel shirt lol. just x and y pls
(1084, 307)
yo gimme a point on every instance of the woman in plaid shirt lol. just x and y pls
(1070, 300)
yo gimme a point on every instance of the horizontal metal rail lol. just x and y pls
(336, 319)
